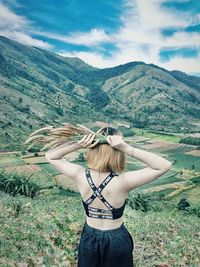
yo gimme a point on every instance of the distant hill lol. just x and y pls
(39, 87)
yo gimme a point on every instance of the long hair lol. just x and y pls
(105, 158)
(102, 157)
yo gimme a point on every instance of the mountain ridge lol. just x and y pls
(41, 87)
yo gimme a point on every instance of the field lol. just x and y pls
(158, 136)
(194, 153)
(46, 231)
(23, 169)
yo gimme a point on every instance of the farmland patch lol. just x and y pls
(194, 153)
(23, 169)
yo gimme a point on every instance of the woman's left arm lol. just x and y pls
(55, 158)
(60, 151)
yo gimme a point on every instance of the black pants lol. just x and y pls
(105, 248)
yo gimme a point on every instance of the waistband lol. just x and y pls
(93, 230)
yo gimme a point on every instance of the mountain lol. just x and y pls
(39, 87)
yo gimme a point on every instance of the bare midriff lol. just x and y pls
(104, 224)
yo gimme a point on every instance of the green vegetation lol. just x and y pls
(172, 151)
(185, 161)
(190, 140)
(47, 231)
(48, 167)
(160, 136)
(14, 183)
(141, 202)
(190, 80)
(28, 185)
(196, 180)
(98, 97)
(80, 158)
(11, 160)
(166, 179)
(63, 88)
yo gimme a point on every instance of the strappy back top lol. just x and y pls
(111, 213)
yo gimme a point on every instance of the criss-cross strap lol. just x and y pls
(97, 191)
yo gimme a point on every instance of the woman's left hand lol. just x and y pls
(87, 140)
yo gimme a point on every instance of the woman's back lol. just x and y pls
(112, 193)
(105, 241)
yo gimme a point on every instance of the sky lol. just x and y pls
(107, 33)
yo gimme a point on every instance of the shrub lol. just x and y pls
(190, 140)
(141, 201)
(183, 204)
(59, 111)
(194, 209)
(196, 180)
(126, 131)
(33, 150)
(15, 183)
(80, 157)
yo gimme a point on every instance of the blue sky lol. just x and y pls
(106, 33)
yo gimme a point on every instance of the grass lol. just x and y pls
(46, 231)
(171, 151)
(49, 168)
(43, 231)
(185, 161)
(164, 238)
(164, 192)
(11, 162)
(168, 178)
(191, 195)
(159, 136)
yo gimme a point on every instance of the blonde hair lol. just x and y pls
(105, 158)
(102, 157)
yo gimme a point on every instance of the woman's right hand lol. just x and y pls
(116, 141)
(87, 140)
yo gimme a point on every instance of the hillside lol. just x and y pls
(39, 87)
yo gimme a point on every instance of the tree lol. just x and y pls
(81, 157)
(183, 204)
(192, 167)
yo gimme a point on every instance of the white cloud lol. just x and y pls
(188, 65)
(25, 39)
(93, 37)
(183, 39)
(148, 15)
(17, 28)
(10, 20)
(140, 37)
(90, 57)
(144, 21)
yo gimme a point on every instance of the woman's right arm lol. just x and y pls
(157, 165)
(154, 161)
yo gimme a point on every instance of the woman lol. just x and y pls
(105, 241)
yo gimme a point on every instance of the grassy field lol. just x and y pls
(159, 136)
(45, 231)
(185, 161)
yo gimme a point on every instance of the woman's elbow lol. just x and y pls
(168, 166)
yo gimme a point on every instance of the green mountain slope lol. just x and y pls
(39, 87)
(153, 96)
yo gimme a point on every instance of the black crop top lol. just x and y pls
(112, 213)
